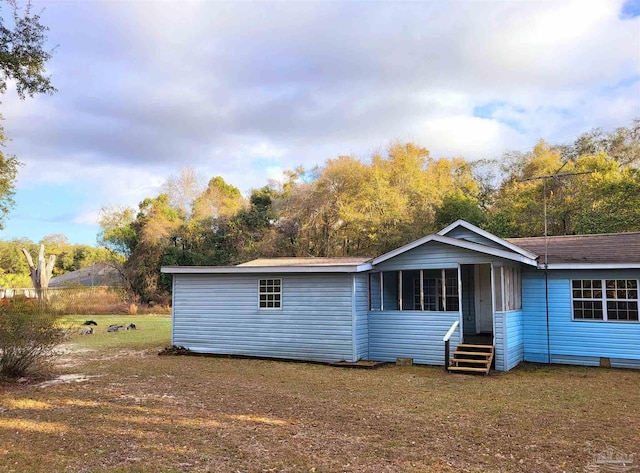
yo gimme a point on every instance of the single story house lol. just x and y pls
(99, 274)
(566, 299)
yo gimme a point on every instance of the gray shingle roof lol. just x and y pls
(306, 262)
(611, 248)
(99, 274)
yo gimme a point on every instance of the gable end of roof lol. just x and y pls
(489, 236)
(465, 244)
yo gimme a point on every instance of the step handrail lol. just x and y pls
(453, 328)
(446, 340)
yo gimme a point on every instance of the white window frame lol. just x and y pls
(263, 283)
(604, 299)
(508, 288)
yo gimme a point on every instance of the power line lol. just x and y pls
(544, 179)
(612, 127)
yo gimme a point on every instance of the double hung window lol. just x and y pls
(605, 299)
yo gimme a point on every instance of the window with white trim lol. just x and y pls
(270, 293)
(605, 299)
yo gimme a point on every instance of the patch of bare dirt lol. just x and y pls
(66, 378)
(132, 411)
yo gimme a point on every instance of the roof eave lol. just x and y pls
(566, 266)
(265, 269)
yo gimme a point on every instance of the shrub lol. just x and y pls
(86, 300)
(28, 334)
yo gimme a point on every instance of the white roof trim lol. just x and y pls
(590, 266)
(488, 236)
(468, 245)
(355, 268)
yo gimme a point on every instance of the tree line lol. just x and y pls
(14, 268)
(355, 207)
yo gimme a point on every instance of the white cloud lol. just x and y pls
(89, 217)
(470, 137)
(247, 90)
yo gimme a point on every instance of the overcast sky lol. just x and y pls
(246, 90)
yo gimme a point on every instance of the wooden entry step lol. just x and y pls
(472, 358)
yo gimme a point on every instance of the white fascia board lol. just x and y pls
(468, 245)
(402, 249)
(265, 269)
(453, 226)
(590, 266)
(488, 236)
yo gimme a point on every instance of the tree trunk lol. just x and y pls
(41, 274)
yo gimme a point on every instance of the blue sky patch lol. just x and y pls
(50, 210)
(630, 9)
(487, 110)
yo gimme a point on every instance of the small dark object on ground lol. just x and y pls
(114, 328)
(87, 331)
(131, 327)
(60, 333)
(174, 351)
(90, 322)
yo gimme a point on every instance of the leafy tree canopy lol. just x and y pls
(23, 54)
(365, 207)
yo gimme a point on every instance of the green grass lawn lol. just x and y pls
(129, 410)
(151, 331)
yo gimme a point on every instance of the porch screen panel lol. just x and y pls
(512, 288)
(401, 290)
(390, 284)
(508, 288)
(410, 290)
(452, 302)
(497, 284)
(374, 291)
(432, 288)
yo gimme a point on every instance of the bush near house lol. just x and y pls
(28, 334)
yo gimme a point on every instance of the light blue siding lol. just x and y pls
(515, 339)
(326, 317)
(534, 313)
(624, 363)
(574, 342)
(462, 233)
(500, 340)
(220, 314)
(508, 339)
(411, 334)
(435, 255)
(361, 310)
(593, 361)
(173, 304)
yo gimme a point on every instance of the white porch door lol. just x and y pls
(484, 302)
